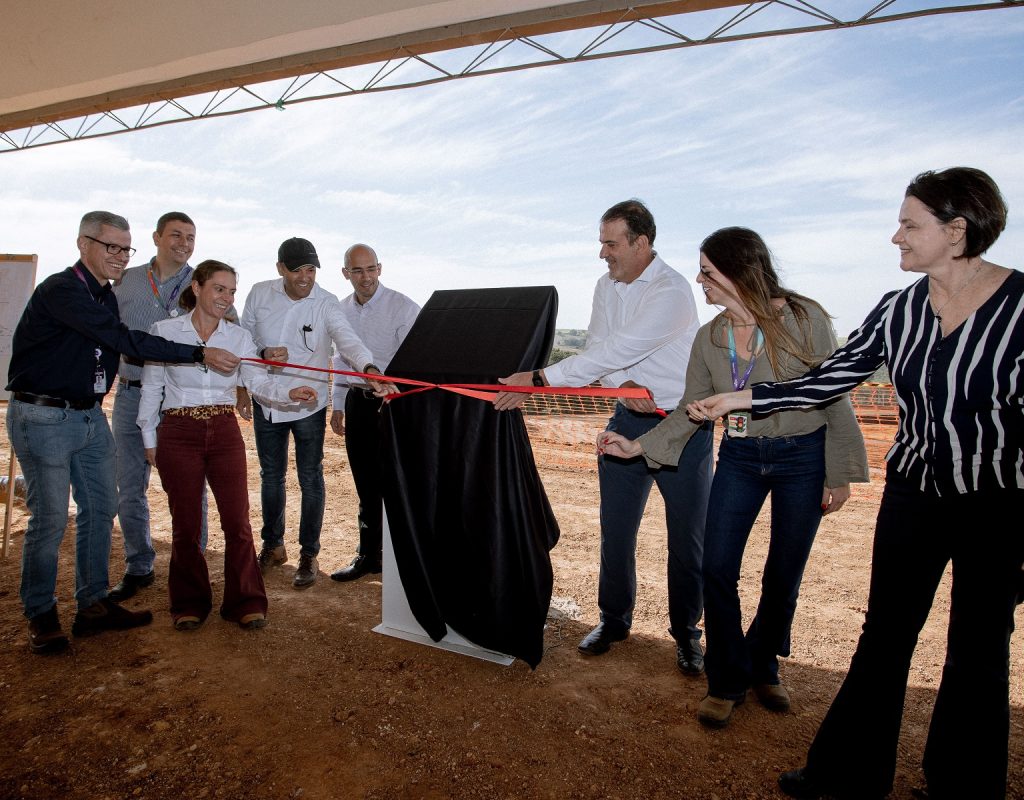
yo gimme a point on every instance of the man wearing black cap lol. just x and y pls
(293, 319)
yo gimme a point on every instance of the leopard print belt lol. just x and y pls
(200, 412)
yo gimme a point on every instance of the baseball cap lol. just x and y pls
(295, 253)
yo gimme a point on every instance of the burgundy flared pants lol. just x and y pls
(191, 452)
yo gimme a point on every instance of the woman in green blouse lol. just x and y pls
(805, 458)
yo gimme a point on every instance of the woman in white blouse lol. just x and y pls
(198, 442)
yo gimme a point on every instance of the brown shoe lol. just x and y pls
(252, 622)
(187, 622)
(45, 634)
(107, 615)
(271, 557)
(305, 575)
(772, 696)
(715, 712)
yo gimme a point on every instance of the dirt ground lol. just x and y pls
(318, 706)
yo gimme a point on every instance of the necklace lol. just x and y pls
(964, 285)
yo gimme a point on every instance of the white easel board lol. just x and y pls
(17, 280)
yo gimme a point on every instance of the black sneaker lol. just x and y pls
(108, 616)
(45, 634)
(690, 657)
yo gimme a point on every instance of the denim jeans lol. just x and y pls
(916, 536)
(272, 448)
(133, 473)
(58, 449)
(625, 487)
(792, 469)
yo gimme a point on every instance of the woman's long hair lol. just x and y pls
(201, 275)
(743, 257)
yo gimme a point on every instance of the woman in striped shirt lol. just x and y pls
(954, 345)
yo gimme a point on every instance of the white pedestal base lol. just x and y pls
(398, 620)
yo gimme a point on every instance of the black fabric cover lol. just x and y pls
(470, 523)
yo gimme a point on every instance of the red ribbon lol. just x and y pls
(481, 391)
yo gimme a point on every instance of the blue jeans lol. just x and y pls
(792, 469)
(58, 449)
(625, 487)
(272, 448)
(133, 473)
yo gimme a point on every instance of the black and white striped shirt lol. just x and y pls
(961, 398)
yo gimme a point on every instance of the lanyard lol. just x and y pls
(99, 376)
(156, 292)
(737, 382)
(85, 283)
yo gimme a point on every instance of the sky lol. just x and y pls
(500, 181)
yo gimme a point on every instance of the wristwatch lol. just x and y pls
(199, 354)
(538, 380)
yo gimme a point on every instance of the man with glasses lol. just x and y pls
(294, 320)
(65, 356)
(382, 317)
(145, 294)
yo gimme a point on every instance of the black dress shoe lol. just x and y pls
(690, 657)
(600, 639)
(360, 566)
(130, 585)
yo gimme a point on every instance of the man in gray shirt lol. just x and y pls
(145, 294)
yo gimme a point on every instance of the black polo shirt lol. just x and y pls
(71, 320)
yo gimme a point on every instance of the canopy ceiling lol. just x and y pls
(75, 70)
(68, 59)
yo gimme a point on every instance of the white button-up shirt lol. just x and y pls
(306, 327)
(382, 323)
(640, 331)
(185, 385)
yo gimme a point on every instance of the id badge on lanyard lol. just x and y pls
(99, 376)
(737, 423)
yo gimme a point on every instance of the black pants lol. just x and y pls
(362, 444)
(917, 534)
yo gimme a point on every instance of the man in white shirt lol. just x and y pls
(382, 317)
(642, 326)
(293, 319)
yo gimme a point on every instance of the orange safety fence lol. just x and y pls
(563, 429)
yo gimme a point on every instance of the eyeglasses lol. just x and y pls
(359, 272)
(113, 249)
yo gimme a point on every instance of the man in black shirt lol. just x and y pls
(66, 351)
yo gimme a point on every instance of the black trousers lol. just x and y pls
(916, 536)
(362, 444)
